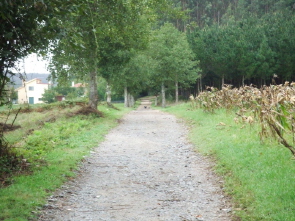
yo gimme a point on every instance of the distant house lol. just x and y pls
(80, 85)
(31, 91)
(17, 79)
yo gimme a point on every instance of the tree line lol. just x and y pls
(153, 46)
(241, 41)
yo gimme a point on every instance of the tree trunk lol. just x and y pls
(109, 93)
(201, 86)
(222, 82)
(93, 95)
(176, 92)
(132, 102)
(163, 95)
(126, 97)
(156, 101)
(129, 100)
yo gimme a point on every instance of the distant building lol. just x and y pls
(17, 79)
(78, 85)
(31, 91)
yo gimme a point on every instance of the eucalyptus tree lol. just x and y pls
(173, 59)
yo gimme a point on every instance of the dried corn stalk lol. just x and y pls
(272, 107)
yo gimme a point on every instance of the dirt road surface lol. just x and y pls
(145, 170)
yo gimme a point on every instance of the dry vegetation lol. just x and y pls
(270, 106)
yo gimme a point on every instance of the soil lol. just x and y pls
(145, 170)
(87, 110)
(8, 127)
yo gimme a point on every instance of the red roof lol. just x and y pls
(79, 85)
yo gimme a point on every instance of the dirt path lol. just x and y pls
(145, 170)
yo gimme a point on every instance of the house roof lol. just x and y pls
(17, 79)
(79, 85)
(38, 81)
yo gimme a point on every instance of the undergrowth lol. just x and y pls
(259, 176)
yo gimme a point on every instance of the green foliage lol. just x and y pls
(99, 38)
(21, 32)
(70, 93)
(248, 42)
(25, 27)
(172, 58)
(49, 96)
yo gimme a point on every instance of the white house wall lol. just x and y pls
(24, 93)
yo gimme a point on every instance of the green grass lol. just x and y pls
(260, 177)
(56, 148)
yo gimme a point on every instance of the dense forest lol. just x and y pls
(240, 41)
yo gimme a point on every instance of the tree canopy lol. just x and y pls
(235, 41)
(99, 38)
(248, 42)
(172, 57)
(26, 26)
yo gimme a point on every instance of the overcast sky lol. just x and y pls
(34, 64)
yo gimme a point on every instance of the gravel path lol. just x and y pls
(145, 170)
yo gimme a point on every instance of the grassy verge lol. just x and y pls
(55, 149)
(259, 176)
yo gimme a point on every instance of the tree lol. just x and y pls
(49, 96)
(69, 92)
(173, 59)
(98, 37)
(136, 77)
(26, 26)
(250, 42)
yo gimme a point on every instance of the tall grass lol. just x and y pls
(57, 148)
(260, 177)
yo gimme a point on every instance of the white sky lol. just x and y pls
(34, 64)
